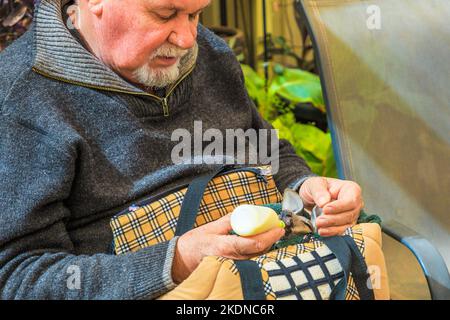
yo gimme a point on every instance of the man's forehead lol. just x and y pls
(179, 5)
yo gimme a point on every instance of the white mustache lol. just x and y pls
(169, 51)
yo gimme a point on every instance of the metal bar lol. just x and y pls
(266, 46)
(236, 15)
(223, 13)
(429, 258)
(253, 62)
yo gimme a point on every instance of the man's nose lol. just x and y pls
(184, 35)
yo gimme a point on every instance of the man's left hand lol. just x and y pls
(340, 200)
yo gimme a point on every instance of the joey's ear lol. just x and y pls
(96, 6)
(292, 201)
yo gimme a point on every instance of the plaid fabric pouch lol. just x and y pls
(314, 268)
(155, 220)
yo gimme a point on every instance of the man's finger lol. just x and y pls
(342, 219)
(334, 231)
(318, 188)
(342, 205)
(334, 186)
(349, 198)
(221, 226)
(249, 246)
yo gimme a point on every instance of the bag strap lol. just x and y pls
(192, 200)
(251, 280)
(360, 272)
(351, 260)
(340, 249)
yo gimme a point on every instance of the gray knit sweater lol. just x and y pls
(79, 144)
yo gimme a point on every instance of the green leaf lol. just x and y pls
(255, 87)
(283, 130)
(311, 139)
(253, 81)
(309, 142)
(297, 86)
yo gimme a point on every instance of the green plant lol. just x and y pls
(309, 142)
(286, 88)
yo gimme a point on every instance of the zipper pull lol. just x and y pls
(260, 174)
(133, 208)
(165, 106)
(262, 177)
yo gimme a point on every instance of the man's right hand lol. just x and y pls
(213, 239)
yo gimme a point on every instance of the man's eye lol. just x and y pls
(194, 16)
(167, 18)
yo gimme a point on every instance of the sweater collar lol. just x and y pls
(59, 55)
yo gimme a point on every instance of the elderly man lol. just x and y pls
(86, 120)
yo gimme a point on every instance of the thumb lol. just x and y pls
(318, 190)
(221, 226)
(259, 243)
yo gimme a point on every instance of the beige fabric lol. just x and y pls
(199, 284)
(214, 281)
(375, 260)
(210, 281)
(227, 286)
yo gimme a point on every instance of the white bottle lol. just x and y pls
(248, 220)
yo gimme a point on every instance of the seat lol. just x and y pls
(384, 68)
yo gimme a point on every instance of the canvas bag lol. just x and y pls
(313, 268)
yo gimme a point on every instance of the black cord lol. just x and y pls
(223, 13)
(252, 32)
(266, 48)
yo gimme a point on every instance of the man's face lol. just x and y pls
(144, 40)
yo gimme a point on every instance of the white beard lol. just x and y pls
(161, 77)
(157, 77)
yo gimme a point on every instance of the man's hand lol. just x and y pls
(340, 200)
(213, 239)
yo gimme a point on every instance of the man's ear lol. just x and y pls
(96, 7)
(73, 13)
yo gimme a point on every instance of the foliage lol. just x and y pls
(287, 88)
(309, 142)
(297, 86)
